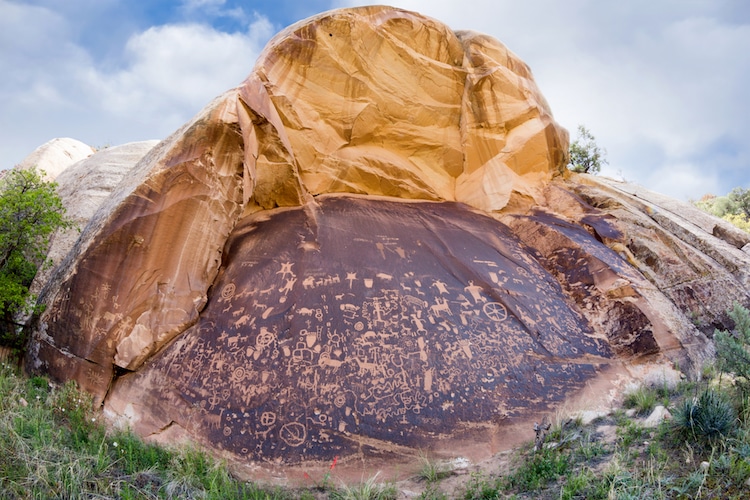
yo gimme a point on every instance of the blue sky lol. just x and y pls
(662, 84)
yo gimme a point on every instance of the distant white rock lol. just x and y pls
(56, 155)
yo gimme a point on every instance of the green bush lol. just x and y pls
(732, 354)
(540, 468)
(706, 418)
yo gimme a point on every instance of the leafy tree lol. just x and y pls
(741, 198)
(733, 208)
(30, 211)
(585, 155)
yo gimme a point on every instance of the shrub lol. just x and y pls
(642, 400)
(706, 418)
(585, 155)
(732, 353)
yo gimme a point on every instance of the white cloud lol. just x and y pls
(178, 67)
(55, 88)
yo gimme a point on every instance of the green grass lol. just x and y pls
(369, 489)
(53, 444)
(431, 470)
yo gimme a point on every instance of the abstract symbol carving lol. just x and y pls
(267, 418)
(495, 311)
(293, 434)
(228, 291)
(264, 338)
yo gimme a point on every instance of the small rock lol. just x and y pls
(705, 465)
(660, 413)
(23, 402)
(630, 413)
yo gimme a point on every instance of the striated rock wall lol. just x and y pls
(380, 101)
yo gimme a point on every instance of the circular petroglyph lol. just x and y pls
(228, 291)
(239, 374)
(264, 338)
(340, 400)
(227, 430)
(293, 434)
(495, 311)
(267, 418)
(359, 326)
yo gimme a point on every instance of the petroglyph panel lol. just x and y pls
(408, 322)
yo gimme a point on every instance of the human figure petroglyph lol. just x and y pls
(441, 287)
(475, 291)
(286, 269)
(289, 286)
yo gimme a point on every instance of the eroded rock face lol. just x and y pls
(83, 187)
(371, 248)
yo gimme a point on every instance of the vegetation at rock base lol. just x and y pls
(30, 211)
(733, 207)
(53, 444)
(585, 155)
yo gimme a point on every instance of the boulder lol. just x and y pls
(657, 416)
(369, 248)
(55, 156)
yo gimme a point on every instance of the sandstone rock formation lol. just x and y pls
(56, 155)
(372, 247)
(83, 187)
